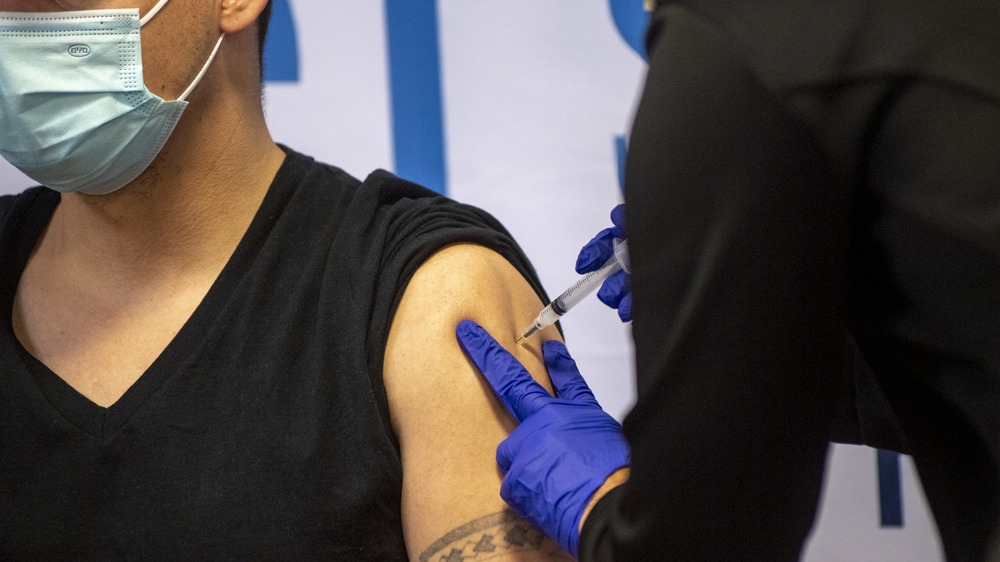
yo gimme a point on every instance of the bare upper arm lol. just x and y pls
(447, 418)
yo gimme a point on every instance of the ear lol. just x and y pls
(237, 15)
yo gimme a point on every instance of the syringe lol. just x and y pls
(586, 285)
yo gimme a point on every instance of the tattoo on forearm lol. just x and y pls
(491, 537)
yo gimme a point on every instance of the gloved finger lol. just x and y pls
(510, 380)
(596, 252)
(625, 308)
(615, 287)
(507, 450)
(565, 375)
(507, 486)
(524, 434)
(618, 219)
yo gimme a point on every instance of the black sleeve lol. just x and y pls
(738, 236)
(926, 299)
(420, 222)
(757, 263)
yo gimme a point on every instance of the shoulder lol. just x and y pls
(6, 202)
(18, 204)
(447, 241)
(458, 282)
(391, 195)
(300, 174)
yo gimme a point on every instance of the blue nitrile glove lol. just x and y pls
(616, 291)
(564, 448)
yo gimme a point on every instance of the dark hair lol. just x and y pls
(262, 22)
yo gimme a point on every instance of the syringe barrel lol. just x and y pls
(546, 317)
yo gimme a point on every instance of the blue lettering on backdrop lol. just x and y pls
(631, 21)
(281, 50)
(890, 489)
(621, 151)
(415, 86)
(414, 76)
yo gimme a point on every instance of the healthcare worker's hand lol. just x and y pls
(564, 448)
(616, 291)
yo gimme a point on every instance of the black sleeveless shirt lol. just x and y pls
(262, 430)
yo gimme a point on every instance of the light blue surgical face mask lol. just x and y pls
(75, 114)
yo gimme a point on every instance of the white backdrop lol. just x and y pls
(534, 95)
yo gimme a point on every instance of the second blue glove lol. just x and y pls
(616, 291)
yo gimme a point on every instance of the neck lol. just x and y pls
(188, 211)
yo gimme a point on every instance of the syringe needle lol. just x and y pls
(578, 291)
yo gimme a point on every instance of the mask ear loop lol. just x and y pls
(204, 69)
(149, 15)
(201, 74)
